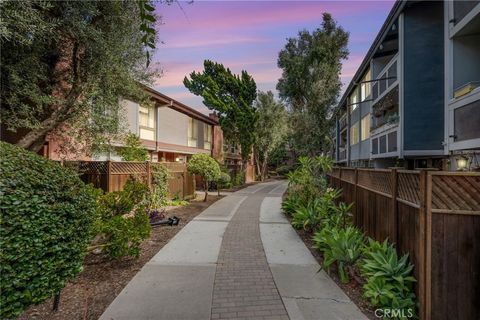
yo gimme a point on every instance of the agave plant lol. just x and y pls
(389, 279)
(340, 246)
(290, 204)
(307, 217)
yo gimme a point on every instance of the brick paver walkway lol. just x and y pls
(244, 287)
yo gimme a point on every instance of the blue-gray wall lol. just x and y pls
(423, 76)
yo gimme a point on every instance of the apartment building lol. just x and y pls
(414, 100)
(169, 129)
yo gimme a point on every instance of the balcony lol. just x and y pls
(386, 81)
(342, 154)
(343, 122)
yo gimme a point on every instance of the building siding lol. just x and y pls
(423, 77)
(172, 126)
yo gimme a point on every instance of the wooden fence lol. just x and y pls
(432, 215)
(112, 175)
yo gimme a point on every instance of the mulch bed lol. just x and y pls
(89, 294)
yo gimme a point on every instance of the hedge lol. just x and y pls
(46, 220)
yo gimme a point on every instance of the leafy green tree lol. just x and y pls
(133, 149)
(271, 129)
(310, 83)
(64, 65)
(206, 167)
(232, 97)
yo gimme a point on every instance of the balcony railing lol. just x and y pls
(386, 80)
(342, 154)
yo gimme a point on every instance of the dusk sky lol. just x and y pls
(249, 34)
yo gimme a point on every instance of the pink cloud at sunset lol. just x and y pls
(247, 35)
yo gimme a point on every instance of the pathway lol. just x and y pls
(239, 259)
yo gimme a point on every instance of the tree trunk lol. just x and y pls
(264, 166)
(206, 191)
(257, 164)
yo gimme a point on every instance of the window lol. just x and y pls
(146, 118)
(207, 137)
(354, 100)
(366, 87)
(365, 127)
(354, 134)
(192, 132)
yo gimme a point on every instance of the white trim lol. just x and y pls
(400, 79)
(457, 28)
(465, 144)
(464, 100)
(384, 155)
(387, 127)
(448, 74)
(438, 152)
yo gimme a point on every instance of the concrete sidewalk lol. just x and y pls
(239, 259)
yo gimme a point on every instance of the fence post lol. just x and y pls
(109, 175)
(394, 187)
(184, 181)
(428, 248)
(149, 175)
(422, 244)
(355, 197)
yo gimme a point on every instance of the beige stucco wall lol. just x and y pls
(172, 126)
(131, 114)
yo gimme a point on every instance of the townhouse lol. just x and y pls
(414, 101)
(170, 130)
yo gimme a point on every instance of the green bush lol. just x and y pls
(124, 234)
(389, 279)
(133, 150)
(239, 179)
(308, 181)
(308, 216)
(283, 170)
(122, 219)
(46, 221)
(205, 166)
(159, 189)
(340, 246)
(291, 203)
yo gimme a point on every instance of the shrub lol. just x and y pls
(283, 170)
(159, 189)
(124, 234)
(340, 246)
(309, 179)
(291, 203)
(239, 179)
(223, 181)
(122, 219)
(389, 279)
(133, 149)
(46, 220)
(307, 217)
(205, 166)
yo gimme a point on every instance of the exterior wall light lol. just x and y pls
(461, 163)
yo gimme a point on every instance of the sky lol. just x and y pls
(247, 35)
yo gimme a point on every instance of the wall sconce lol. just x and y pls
(177, 159)
(461, 163)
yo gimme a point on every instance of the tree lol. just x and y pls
(64, 65)
(133, 149)
(232, 97)
(271, 129)
(310, 83)
(206, 167)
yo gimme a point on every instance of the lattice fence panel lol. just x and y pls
(377, 180)
(456, 192)
(87, 167)
(348, 175)
(129, 167)
(409, 186)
